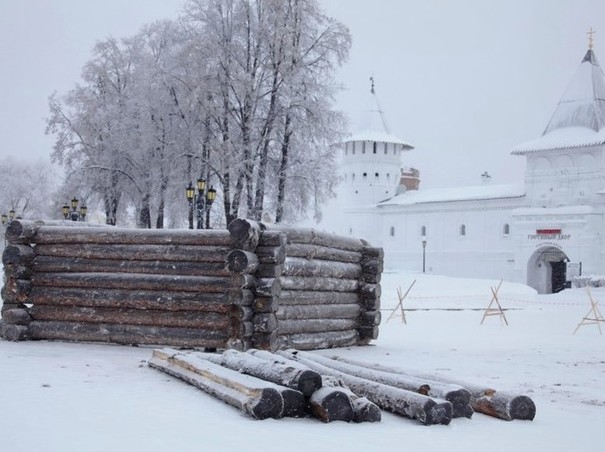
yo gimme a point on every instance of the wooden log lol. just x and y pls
(308, 312)
(295, 266)
(315, 237)
(240, 344)
(17, 290)
(267, 287)
(265, 341)
(13, 333)
(128, 334)
(269, 271)
(331, 404)
(18, 271)
(264, 323)
(9, 305)
(300, 250)
(243, 281)
(371, 303)
(182, 319)
(265, 304)
(18, 255)
(304, 382)
(206, 284)
(317, 341)
(458, 396)
(241, 330)
(242, 261)
(244, 233)
(363, 409)
(253, 396)
(370, 291)
(367, 334)
(168, 252)
(271, 254)
(241, 313)
(370, 318)
(21, 231)
(319, 284)
(272, 238)
(316, 326)
(16, 316)
(103, 235)
(297, 297)
(505, 406)
(81, 265)
(135, 299)
(424, 409)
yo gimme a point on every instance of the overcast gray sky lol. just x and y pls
(463, 81)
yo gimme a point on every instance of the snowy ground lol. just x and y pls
(75, 397)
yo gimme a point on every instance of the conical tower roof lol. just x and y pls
(579, 119)
(372, 125)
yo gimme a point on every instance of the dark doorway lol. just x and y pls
(558, 276)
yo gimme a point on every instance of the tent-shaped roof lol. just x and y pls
(579, 119)
(373, 125)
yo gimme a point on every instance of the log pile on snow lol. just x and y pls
(332, 389)
(252, 285)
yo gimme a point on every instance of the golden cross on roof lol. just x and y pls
(590, 38)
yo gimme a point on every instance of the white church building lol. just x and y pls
(540, 231)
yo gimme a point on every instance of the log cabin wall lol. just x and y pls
(252, 285)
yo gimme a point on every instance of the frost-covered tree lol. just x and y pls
(238, 92)
(25, 188)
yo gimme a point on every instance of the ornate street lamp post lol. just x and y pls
(423, 253)
(201, 202)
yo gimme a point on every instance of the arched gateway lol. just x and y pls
(546, 270)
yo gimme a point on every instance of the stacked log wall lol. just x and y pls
(253, 285)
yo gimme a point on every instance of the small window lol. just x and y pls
(462, 229)
(374, 146)
(506, 229)
(423, 231)
(392, 232)
(365, 174)
(386, 148)
(353, 177)
(363, 147)
(376, 175)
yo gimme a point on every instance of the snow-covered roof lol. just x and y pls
(579, 119)
(373, 125)
(469, 193)
(564, 210)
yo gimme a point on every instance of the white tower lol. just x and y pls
(371, 159)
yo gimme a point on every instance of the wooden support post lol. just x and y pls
(399, 307)
(495, 310)
(593, 316)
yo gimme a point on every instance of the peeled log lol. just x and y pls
(304, 380)
(18, 255)
(458, 396)
(503, 405)
(76, 234)
(319, 284)
(406, 403)
(210, 284)
(135, 299)
(168, 252)
(128, 334)
(316, 341)
(245, 393)
(363, 409)
(295, 266)
(315, 237)
(242, 261)
(316, 326)
(244, 233)
(331, 404)
(298, 297)
(82, 265)
(322, 252)
(340, 311)
(150, 317)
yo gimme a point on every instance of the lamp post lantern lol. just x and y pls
(423, 253)
(73, 214)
